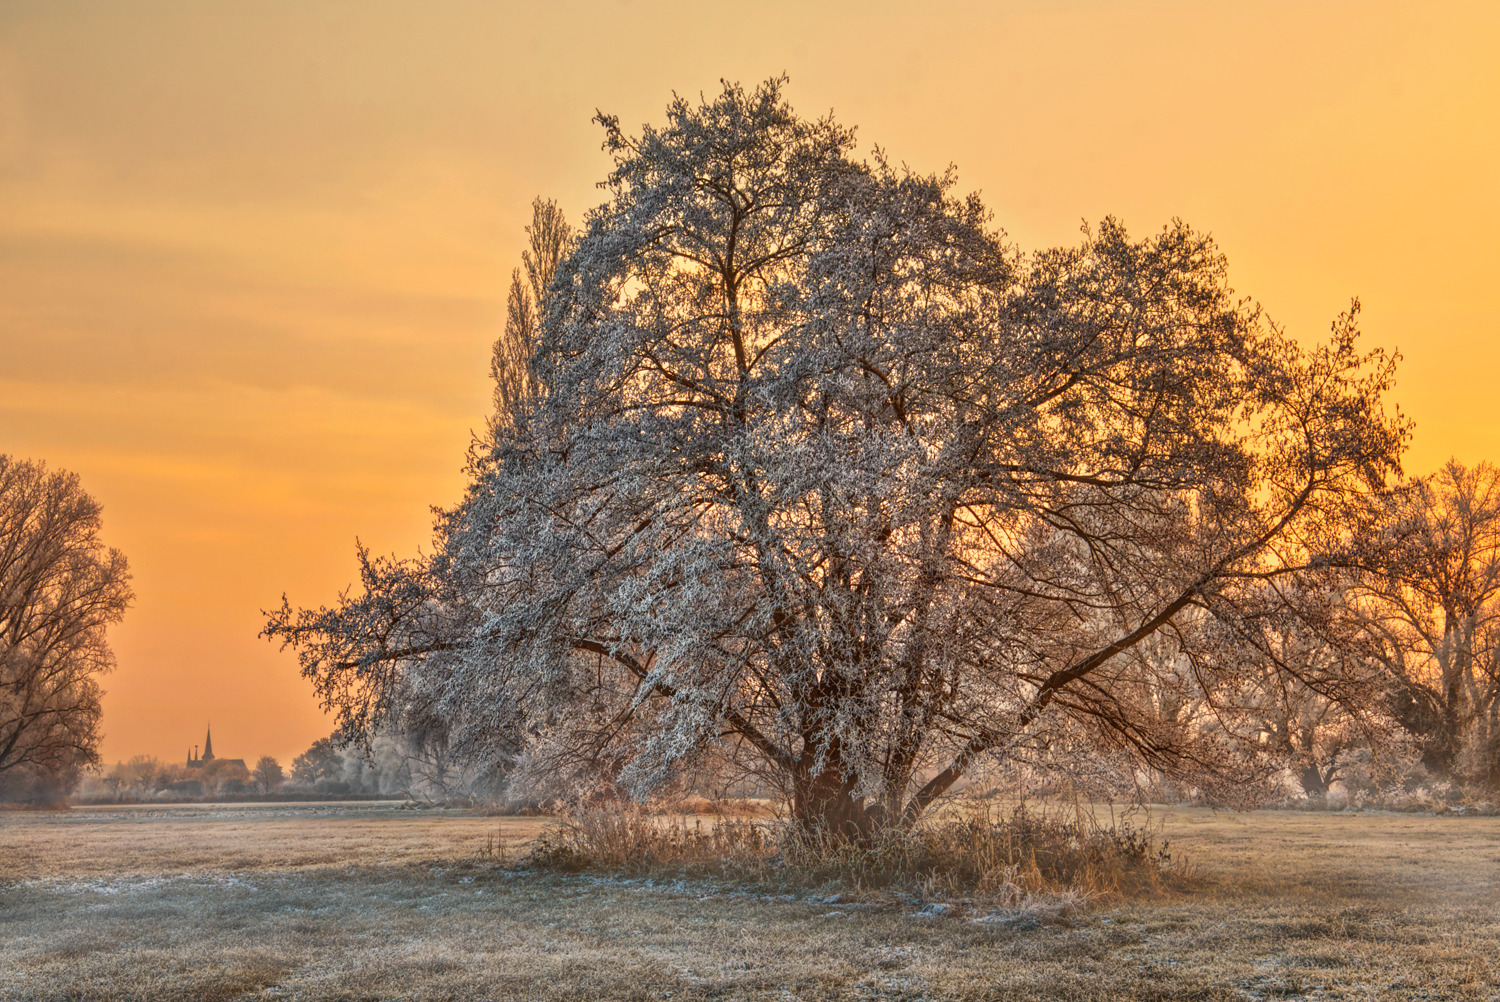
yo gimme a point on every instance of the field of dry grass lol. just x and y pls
(366, 901)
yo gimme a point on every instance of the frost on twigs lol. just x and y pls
(826, 486)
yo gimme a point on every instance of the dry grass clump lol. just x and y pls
(1001, 858)
(1011, 860)
(628, 840)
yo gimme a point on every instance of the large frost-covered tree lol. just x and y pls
(829, 478)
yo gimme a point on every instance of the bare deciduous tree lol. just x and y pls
(60, 590)
(1434, 598)
(1315, 683)
(267, 774)
(830, 476)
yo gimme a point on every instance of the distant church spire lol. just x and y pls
(208, 745)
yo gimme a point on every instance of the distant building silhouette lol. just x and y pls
(195, 761)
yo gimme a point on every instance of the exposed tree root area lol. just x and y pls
(369, 902)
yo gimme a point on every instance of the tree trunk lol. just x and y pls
(1314, 784)
(824, 802)
(1440, 750)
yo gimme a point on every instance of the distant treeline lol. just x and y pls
(279, 796)
(391, 767)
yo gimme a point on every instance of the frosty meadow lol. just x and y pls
(359, 901)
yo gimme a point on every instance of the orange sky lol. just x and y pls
(253, 254)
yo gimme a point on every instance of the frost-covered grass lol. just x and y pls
(358, 901)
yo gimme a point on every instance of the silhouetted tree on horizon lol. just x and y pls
(61, 589)
(267, 774)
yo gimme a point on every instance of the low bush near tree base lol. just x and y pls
(981, 856)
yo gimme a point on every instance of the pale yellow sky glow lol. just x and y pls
(253, 255)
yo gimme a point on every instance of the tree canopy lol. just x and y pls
(820, 473)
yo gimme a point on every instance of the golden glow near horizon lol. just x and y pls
(252, 255)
